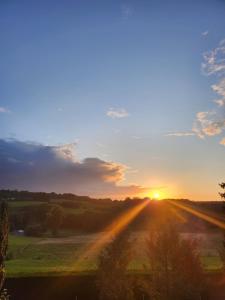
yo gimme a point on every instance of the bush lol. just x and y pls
(9, 255)
(112, 280)
(55, 218)
(70, 204)
(174, 265)
(34, 230)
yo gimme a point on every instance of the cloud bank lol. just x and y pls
(36, 167)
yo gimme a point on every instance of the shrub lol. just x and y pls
(34, 230)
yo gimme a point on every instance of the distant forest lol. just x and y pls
(37, 213)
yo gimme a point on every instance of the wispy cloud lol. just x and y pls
(205, 33)
(136, 137)
(117, 113)
(126, 11)
(208, 124)
(100, 145)
(214, 60)
(212, 122)
(219, 88)
(180, 134)
(4, 110)
(220, 102)
(222, 142)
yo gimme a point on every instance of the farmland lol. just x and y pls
(85, 221)
(57, 256)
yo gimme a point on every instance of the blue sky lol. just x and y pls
(66, 64)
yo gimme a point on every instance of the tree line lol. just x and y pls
(173, 270)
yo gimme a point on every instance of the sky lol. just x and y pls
(113, 98)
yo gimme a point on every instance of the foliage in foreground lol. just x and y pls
(173, 272)
(55, 218)
(174, 265)
(222, 249)
(113, 283)
(4, 230)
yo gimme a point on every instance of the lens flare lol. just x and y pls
(112, 230)
(200, 214)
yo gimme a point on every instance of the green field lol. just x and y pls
(29, 257)
(83, 206)
(57, 256)
(21, 204)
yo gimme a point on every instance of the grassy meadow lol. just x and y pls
(46, 255)
(30, 256)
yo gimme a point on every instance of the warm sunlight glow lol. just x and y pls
(156, 196)
(200, 214)
(112, 230)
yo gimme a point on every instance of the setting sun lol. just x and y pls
(156, 196)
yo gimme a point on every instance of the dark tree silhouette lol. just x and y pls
(174, 266)
(4, 230)
(222, 185)
(112, 280)
(222, 250)
(55, 218)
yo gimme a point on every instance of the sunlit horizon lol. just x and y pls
(112, 150)
(110, 102)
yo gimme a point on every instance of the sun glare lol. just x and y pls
(156, 196)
